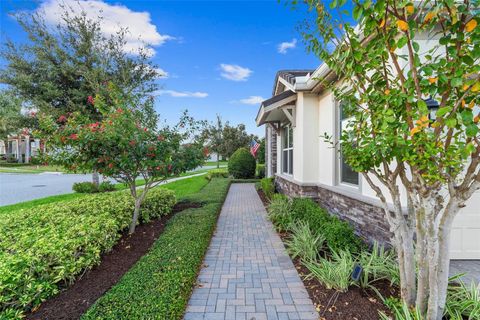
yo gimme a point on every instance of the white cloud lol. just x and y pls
(182, 94)
(139, 24)
(285, 46)
(252, 100)
(235, 72)
(162, 73)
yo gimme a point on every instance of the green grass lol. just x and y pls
(159, 285)
(28, 168)
(214, 163)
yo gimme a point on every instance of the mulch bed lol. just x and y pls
(262, 196)
(355, 304)
(75, 300)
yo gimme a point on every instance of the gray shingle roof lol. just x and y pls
(278, 97)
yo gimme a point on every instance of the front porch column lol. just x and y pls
(19, 151)
(306, 139)
(27, 149)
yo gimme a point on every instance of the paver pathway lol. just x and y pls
(247, 274)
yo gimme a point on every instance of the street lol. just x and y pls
(15, 188)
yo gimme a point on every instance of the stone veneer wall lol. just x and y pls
(367, 219)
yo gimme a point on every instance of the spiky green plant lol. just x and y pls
(463, 301)
(279, 212)
(333, 273)
(378, 264)
(304, 243)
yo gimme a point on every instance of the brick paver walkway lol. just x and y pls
(247, 274)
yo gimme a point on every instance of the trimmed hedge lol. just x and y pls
(160, 283)
(49, 245)
(242, 164)
(90, 187)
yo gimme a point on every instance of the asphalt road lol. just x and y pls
(15, 188)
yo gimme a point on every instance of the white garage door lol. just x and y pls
(465, 236)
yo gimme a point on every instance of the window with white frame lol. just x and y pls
(287, 150)
(346, 175)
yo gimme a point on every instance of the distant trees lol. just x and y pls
(12, 120)
(224, 139)
(62, 68)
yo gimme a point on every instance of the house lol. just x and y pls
(20, 148)
(296, 117)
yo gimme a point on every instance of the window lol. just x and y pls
(287, 150)
(346, 174)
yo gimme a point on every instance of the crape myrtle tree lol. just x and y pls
(385, 77)
(60, 68)
(123, 146)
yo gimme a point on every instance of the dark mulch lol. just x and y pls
(355, 304)
(262, 196)
(75, 300)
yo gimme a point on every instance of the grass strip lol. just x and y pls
(160, 283)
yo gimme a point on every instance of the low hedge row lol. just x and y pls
(47, 246)
(160, 283)
(339, 235)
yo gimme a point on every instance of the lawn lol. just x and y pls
(214, 163)
(160, 284)
(28, 168)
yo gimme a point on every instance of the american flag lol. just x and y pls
(254, 145)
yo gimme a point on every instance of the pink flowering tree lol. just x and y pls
(120, 146)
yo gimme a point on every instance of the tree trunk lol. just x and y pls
(422, 263)
(136, 213)
(95, 178)
(218, 161)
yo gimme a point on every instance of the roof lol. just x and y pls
(277, 98)
(290, 76)
(270, 109)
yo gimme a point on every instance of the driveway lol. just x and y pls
(15, 188)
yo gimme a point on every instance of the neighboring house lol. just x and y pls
(299, 113)
(21, 147)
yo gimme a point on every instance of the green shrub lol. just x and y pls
(268, 187)
(217, 173)
(106, 186)
(279, 212)
(242, 165)
(84, 187)
(159, 285)
(339, 234)
(303, 242)
(334, 273)
(49, 245)
(260, 171)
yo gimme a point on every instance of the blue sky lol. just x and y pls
(219, 55)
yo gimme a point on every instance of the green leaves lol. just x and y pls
(49, 245)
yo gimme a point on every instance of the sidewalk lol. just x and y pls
(247, 274)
